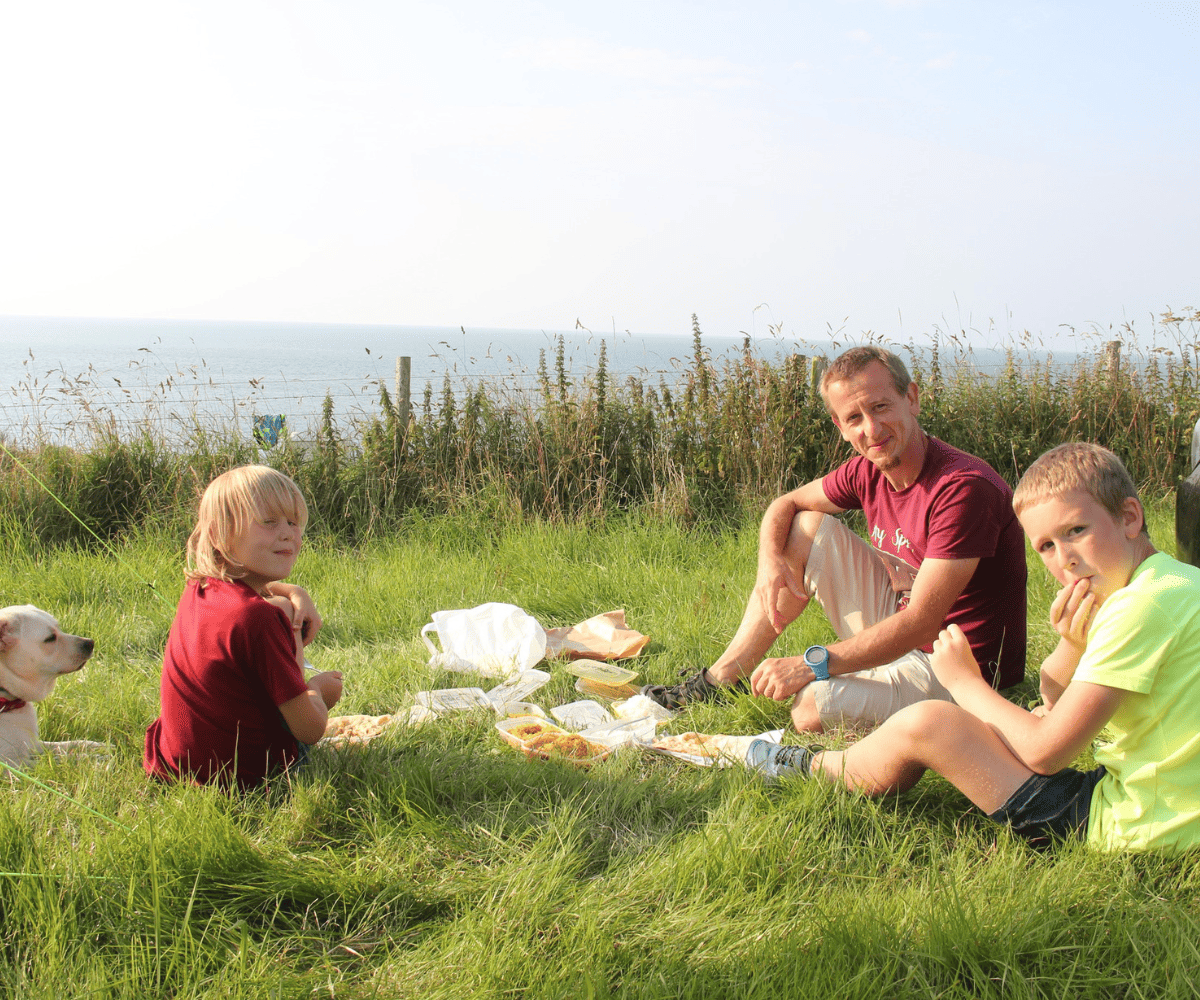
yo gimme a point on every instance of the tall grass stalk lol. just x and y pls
(699, 449)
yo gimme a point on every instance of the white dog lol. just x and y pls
(34, 651)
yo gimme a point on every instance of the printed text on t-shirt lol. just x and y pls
(898, 540)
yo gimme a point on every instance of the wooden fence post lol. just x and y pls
(819, 364)
(403, 397)
(1112, 361)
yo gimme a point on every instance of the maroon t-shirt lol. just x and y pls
(958, 508)
(230, 663)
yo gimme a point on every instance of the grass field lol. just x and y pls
(436, 862)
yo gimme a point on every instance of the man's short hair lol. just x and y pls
(1077, 465)
(850, 363)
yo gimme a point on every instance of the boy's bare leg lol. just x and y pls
(756, 634)
(934, 735)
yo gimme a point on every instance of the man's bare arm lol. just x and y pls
(935, 589)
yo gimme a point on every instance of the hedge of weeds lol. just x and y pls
(719, 439)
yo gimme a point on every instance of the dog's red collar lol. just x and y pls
(11, 704)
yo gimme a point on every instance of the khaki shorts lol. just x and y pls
(847, 576)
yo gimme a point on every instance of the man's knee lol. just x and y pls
(805, 717)
(801, 535)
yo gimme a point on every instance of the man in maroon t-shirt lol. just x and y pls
(945, 547)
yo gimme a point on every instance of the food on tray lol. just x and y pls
(565, 745)
(356, 728)
(701, 745)
(528, 730)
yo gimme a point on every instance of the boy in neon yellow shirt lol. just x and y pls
(1127, 660)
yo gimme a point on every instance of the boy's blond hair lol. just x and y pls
(228, 505)
(1077, 465)
(850, 363)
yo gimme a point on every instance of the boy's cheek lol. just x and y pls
(1051, 570)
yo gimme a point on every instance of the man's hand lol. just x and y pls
(776, 579)
(780, 678)
(1072, 611)
(952, 661)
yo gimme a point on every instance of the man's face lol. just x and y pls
(879, 422)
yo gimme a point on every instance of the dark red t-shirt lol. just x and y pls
(229, 664)
(958, 508)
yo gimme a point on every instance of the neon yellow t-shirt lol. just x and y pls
(1145, 639)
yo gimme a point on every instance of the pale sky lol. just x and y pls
(886, 165)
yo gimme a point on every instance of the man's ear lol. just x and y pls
(913, 395)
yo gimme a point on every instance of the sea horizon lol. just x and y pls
(177, 372)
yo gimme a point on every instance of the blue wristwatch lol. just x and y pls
(817, 658)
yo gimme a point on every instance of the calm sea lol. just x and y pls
(61, 376)
(59, 373)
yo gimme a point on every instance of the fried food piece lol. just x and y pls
(356, 728)
(693, 743)
(702, 745)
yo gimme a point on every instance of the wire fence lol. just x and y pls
(145, 397)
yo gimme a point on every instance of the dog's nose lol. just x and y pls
(87, 645)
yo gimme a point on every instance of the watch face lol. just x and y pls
(815, 655)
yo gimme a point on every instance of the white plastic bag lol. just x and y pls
(497, 640)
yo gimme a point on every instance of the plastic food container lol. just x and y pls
(505, 728)
(609, 692)
(517, 709)
(573, 743)
(453, 700)
(597, 670)
(621, 733)
(580, 715)
(517, 689)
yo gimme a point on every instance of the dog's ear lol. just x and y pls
(8, 635)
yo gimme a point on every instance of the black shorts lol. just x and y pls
(1051, 805)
